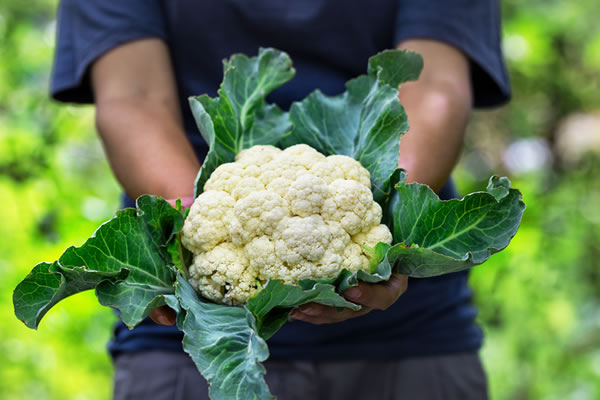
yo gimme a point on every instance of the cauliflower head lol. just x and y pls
(288, 214)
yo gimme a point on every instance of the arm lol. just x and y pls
(438, 106)
(139, 120)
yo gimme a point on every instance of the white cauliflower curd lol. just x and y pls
(289, 215)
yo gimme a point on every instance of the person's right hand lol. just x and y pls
(372, 296)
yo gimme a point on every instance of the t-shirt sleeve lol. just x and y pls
(471, 26)
(86, 29)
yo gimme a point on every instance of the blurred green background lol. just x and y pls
(539, 300)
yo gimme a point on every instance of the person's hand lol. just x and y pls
(164, 315)
(372, 296)
(377, 296)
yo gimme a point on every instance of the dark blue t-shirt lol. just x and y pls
(330, 42)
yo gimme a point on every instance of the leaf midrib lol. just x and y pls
(457, 234)
(155, 278)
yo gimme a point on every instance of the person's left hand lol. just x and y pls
(372, 296)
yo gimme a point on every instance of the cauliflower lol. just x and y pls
(289, 215)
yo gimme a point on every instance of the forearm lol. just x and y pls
(438, 108)
(146, 147)
(139, 120)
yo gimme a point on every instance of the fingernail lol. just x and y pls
(354, 293)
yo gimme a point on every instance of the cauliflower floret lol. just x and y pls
(372, 216)
(330, 265)
(341, 167)
(354, 259)
(377, 233)
(222, 274)
(339, 237)
(306, 195)
(301, 154)
(239, 292)
(280, 186)
(247, 186)
(257, 155)
(224, 264)
(206, 286)
(299, 158)
(347, 203)
(227, 177)
(320, 262)
(301, 238)
(275, 169)
(291, 163)
(326, 171)
(208, 222)
(304, 256)
(261, 253)
(257, 214)
(289, 215)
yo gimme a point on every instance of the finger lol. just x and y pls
(378, 296)
(163, 315)
(320, 314)
(186, 201)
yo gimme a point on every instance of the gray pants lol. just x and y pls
(172, 376)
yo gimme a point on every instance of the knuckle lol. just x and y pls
(382, 307)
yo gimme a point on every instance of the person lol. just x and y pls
(139, 60)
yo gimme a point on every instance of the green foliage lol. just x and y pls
(276, 295)
(436, 237)
(365, 122)
(128, 262)
(224, 343)
(538, 300)
(49, 156)
(239, 118)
